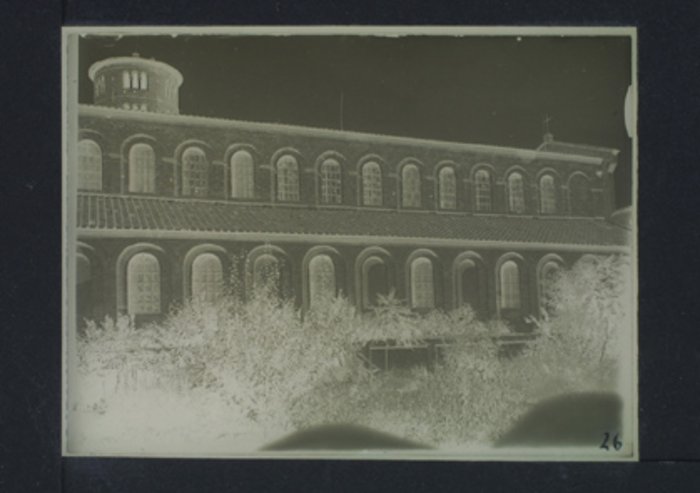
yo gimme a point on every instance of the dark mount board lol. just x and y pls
(31, 199)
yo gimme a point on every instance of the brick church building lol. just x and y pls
(168, 205)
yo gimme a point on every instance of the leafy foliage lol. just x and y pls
(284, 369)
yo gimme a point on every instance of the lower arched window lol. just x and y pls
(510, 285)
(422, 286)
(143, 285)
(548, 277)
(468, 284)
(266, 274)
(142, 169)
(322, 285)
(207, 278)
(374, 281)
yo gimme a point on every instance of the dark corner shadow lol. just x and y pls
(342, 437)
(567, 420)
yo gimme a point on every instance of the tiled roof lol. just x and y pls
(125, 213)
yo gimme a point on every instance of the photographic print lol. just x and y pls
(371, 243)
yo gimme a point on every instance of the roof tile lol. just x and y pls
(118, 212)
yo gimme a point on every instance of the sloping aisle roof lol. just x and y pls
(118, 213)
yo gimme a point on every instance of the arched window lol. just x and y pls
(374, 281)
(330, 182)
(510, 285)
(548, 195)
(371, 184)
(483, 191)
(266, 274)
(126, 80)
(410, 177)
(580, 200)
(144, 81)
(422, 289)
(143, 284)
(516, 193)
(207, 278)
(448, 188)
(287, 179)
(468, 284)
(321, 279)
(195, 172)
(134, 79)
(142, 169)
(548, 277)
(89, 165)
(242, 181)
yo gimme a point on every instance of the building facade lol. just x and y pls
(174, 206)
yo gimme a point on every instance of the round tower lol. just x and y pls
(136, 83)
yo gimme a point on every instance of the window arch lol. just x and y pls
(207, 278)
(331, 182)
(143, 285)
(580, 199)
(448, 188)
(410, 178)
(322, 283)
(266, 274)
(549, 273)
(287, 179)
(89, 165)
(510, 285)
(468, 279)
(142, 169)
(242, 175)
(548, 195)
(372, 184)
(483, 190)
(195, 172)
(374, 281)
(422, 285)
(516, 193)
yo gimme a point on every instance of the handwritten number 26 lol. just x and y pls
(617, 444)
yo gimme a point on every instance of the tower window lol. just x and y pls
(287, 179)
(195, 172)
(372, 184)
(331, 182)
(144, 81)
(89, 165)
(242, 184)
(448, 188)
(411, 186)
(126, 80)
